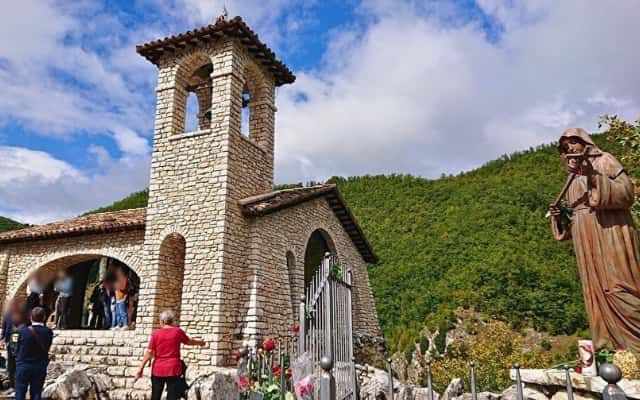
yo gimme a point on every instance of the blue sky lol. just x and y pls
(384, 86)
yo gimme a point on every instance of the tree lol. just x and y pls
(627, 136)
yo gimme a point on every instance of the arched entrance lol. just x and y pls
(171, 272)
(94, 283)
(318, 245)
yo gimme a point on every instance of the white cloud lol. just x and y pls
(409, 87)
(130, 142)
(55, 79)
(36, 187)
(415, 92)
(18, 164)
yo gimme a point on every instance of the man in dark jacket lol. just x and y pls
(97, 307)
(17, 323)
(32, 356)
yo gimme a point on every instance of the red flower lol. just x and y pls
(276, 370)
(296, 328)
(243, 382)
(268, 345)
(578, 369)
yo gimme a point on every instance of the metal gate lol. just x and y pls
(326, 324)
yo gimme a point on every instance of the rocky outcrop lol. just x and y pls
(455, 389)
(399, 366)
(77, 384)
(527, 394)
(219, 385)
(369, 349)
(554, 380)
(416, 371)
(374, 385)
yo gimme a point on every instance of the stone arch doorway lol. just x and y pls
(171, 273)
(87, 273)
(318, 244)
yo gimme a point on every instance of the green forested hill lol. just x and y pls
(134, 200)
(478, 240)
(7, 224)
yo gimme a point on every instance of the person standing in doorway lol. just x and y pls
(32, 356)
(107, 297)
(35, 294)
(97, 308)
(164, 349)
(121, 318)
(64, 287)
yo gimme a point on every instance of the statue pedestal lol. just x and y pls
(555, 379)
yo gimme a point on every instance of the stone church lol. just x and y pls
(215, 244)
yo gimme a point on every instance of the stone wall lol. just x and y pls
(116, 352)
(197, 179)
(22, 259)
(270, 286)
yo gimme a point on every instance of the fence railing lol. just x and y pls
(324, 342)
(327, 386)
(610, 373)
(326, 325)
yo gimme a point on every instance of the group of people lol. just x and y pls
(28, 343)
(54, 300)
(114, 300)
(113, 303)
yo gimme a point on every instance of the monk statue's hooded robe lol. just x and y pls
(606, 246)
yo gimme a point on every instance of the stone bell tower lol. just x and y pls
(194, 229)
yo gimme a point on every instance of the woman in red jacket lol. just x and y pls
(164, 349)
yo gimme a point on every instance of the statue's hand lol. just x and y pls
(586, 168)
(555, 211)
(583, 167)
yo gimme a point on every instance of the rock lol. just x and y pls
(217, 385)
(488, 396)
(409, 392)
(528, 394)
(416, 372)
(455, 389)
(54, 370)
(4, 380)
(557, 378)
(78, 384)
(374, 385)
(399, 365)
(562, 395)
(423, 394)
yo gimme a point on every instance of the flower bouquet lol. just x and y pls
(303, 379)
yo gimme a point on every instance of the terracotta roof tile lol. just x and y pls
(252, 207)
(95, 223)
(268, 203)
(236, 28)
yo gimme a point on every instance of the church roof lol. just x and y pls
(258, 206)
(252, 207)
(115, 221)
(235, 28)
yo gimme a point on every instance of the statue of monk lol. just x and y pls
(605, 241)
